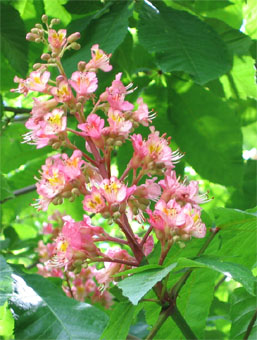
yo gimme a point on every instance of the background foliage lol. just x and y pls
(194, 63)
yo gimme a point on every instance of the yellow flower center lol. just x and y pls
(55, 120)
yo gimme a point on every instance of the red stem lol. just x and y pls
(146, 236)
(111, 239)
(107, 259)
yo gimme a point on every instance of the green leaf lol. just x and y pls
(6, 192)
(144, 281)
(44, 312)
(240, 82)
(231, 14)
(108, 31)
(55, 9)
(14, 44)
(243, 308)
(122, 314)
(14, 152)
(182, 42)
(250, 15)
(237, 239)
(5, 281)
(81, 6)
(232, 270)
(208, 131)
(139, 269)
(6, 322)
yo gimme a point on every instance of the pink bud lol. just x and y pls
(73, 37)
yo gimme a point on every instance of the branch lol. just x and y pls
(21, 192)
(250, 326)
(183, 325)
(16, 110)
(176, 288)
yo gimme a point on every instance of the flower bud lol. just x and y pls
(73, 37)
(106, 214)
(38, 40)
(116, 215)
(55, 22)
(36, 66)
(75, 191)
(75, 46)
(66, 194)
(110, 141)
(31, 37)
(81, 66)
(45, 56)
(78, 106)
(34, 30)
(44, 19)
(39, 26)
(72, 199)
(54, 55)
(56, 145)
(118, 143)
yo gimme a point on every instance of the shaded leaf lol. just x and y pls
(108, 31)
(6, 192)
(44, 312)
(205, 127)
(14, 45)
(122, 314)
(5, 281)
(182, 42)
(243, 308)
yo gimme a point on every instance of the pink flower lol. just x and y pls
(37, 81)
(119, 126)
(142, 115)
(59, 176)
(62, 93)
(57, 39)
(115, 95)
(23, 86)
(99, 60)
(93, 126)
(40, 108)
(94, 202)
(113, 190)
(84, 83)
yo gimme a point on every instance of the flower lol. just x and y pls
(99, 60)
(57, 39)
(84, 83)
(142, 115)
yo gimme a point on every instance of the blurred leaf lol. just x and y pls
(55, 9)
(232, 270)
(5, 67)
(12, 148)
(245, 197)
(6, 192)
(6, 322)
(122, 314)
(144, 281)
(208, 131)
(45, 312)
(250, 14)
(240, 82)
(183, 43)
(14, 45)
(108, 31)
(243, 308)
(5, 281)
(26, 9)
(231, 14)
(81, 7)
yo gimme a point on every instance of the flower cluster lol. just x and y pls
(170, 207)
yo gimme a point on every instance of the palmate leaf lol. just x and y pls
(243, 309)
(182, 42)
(42, 311)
